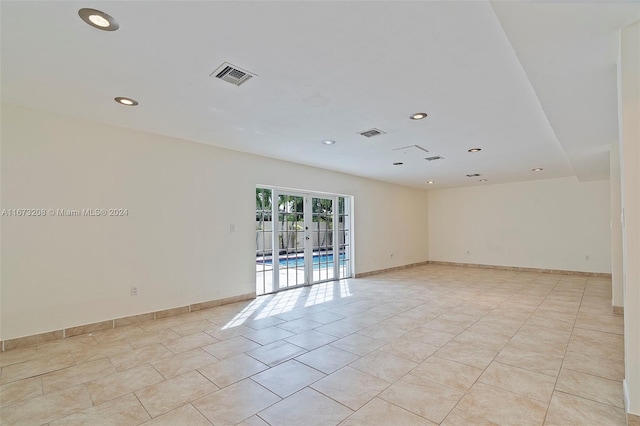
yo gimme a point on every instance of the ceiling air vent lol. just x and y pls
(437, 157)
(232, 74)
(371, 133)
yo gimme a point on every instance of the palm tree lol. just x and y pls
(263, 209)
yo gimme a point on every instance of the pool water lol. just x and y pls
(321, 259)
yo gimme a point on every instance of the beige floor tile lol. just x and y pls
(101, 350)
(607, 369)
(72, 376)
(311, 339)
(35, 367)
(173, 393)
(484, 340)
(186, 415)
(222, 333)
(163, 324)
(287, 378)
(143, 355)
(119, 384)
(597, 344)
(20, 391)
(591, 387)
(230, 347)
(295, 410)
(520, 381)
(122, 411)
(501, 406)
(44, 409)
(340, 328)
(350, 387)
(117, 334)
(18, 355)
(384, 365)
(447, 326)
(232, 370)
(152, 337)
(428, 399)
(65, 346)
(235, 403)
(300, 325)
(275, 353)
(324, 317)
(358, 344)
(182, 363)
(534, 361)
(572, 410)
(466, 353)
(410, 349)
(194, 327)
(189, 342)
(552, 320)
(430, 336)
(460, 418)
(268, 335)
(450, 373)
(260, 323)
(379, 412)
(327, 359)
(383, 332)
(253, 421)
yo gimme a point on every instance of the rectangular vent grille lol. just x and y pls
(371, 133)
(437, 157)
(232, 74)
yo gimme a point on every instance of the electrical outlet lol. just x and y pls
(134, 290)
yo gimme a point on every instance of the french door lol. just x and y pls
(301, 239)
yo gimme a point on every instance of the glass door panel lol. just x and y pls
(264, 241)
(291, 264)
(322, 239)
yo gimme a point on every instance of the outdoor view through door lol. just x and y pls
(301, 239)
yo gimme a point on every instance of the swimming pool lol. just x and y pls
(318, 259)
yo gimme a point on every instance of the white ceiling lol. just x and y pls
(531, 83)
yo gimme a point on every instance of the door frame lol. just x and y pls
(308, 196)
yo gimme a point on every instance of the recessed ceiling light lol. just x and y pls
(431, 182)
(418, 116)
(398, 164)
(474, 150)
(483, 180)
(98, 19)
(328, 142)
(126, 101)
(537, 169)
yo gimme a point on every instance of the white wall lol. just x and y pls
(547, 224)
(175, 244)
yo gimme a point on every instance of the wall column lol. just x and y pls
(629, 111)
(617, 296)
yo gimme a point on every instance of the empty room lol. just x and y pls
(320, 213)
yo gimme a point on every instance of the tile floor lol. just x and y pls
(428, 345)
